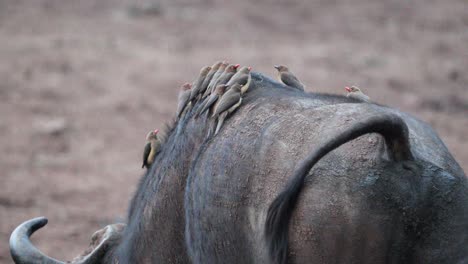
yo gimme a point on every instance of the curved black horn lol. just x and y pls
(24, 252)
(21, 248)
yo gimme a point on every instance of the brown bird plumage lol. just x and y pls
(215, 78)
(152, 147)
(243, 78)
(196, 86)
(356, 93)
(184, 98)
(227, 104)
(209, 77)
(286, 77)
(224, 78)
(219, 91)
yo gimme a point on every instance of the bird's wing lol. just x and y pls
(183, 99)
(206, 82)
(146, 152)
(290, 80)
(359, 96)
(235, 106)
(202, 105)
(206, 88)
(243, 79)
(194, 92)
(196, 86)
(240, 79)
(227, 101)
(234, 78)
(214, 80)
(211, 100)
(225, 78)
(364, 97)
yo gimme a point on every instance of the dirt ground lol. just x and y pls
(81, 83)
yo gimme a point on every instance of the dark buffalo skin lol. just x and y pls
(396, 198)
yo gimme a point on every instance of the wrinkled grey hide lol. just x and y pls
(205, 200)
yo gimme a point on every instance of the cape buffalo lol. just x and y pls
(291, 177)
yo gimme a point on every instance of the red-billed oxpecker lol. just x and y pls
(197, 84)
(228, 103)
(184, 98)
(209, 77)
(151, 148)
(219, 91)
(224, 78)
(288, 78)
(243, 78)
(356, 93)
(215, 78)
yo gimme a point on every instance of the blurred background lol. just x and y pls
(82, 82)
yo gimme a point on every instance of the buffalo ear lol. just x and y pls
(101, 241)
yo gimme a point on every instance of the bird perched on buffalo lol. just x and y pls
(153, 144)
(209, 77)
(243, 78)
(227, 104)
(197, 84)
(219, 91)
(356, 93)
(288, 78)
(215, 78)
(184, 98)
(224, 78)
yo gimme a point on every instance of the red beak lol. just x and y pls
(348, 89)
(156, 131)
(236, 66)
(250, 68)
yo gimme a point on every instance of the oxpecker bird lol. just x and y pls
(289, 79)
(184, 98)
(227, 104)
(243, 78)
(219, 91)
(151, 148)
(209, 77)
(230, 71)
(215, 78)
(198, 82)
(356, 93)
